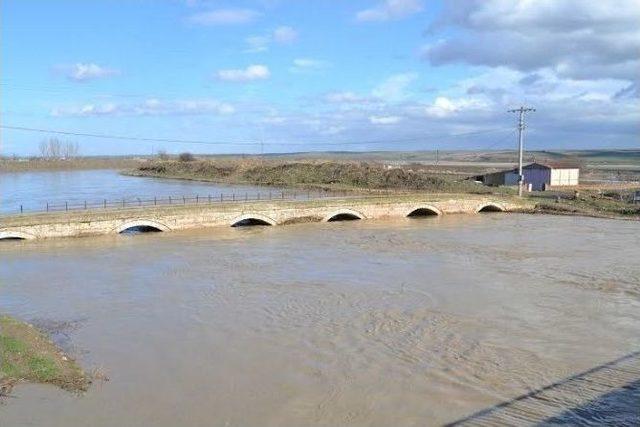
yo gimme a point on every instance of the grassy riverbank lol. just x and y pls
(328, 175)
(26, 354)
(78, 163)
(607, 204)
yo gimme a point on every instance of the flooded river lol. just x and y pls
(33, 190)
(410, 322)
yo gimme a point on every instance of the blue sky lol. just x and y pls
(319, 75)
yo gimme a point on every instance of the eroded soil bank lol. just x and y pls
(29, 355)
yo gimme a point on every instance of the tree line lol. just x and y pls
(55, 149)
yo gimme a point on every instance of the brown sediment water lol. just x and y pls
(364, 323)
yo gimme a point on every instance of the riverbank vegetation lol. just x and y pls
(606, 204)
(327, 175)
(63, 164)
(26, 354)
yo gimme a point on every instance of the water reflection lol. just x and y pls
(33, 190)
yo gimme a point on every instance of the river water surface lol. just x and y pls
(365, 323)
(33, 190)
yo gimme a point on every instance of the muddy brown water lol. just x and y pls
(408, 322)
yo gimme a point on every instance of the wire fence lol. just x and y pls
(197, 199)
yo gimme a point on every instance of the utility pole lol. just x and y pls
(521, 126)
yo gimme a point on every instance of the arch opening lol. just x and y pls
(250, 222)
(140, 229)
(15, 235)
(491, 207)
(140, 226)
(344, 217)
(252, 219)
(423, 212)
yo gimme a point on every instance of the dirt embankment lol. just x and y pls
(26, 354)
(79, 163)
(330, 175)
(596, 203)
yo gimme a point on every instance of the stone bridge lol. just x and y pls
(167, 218)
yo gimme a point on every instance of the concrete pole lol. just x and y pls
(521, 126)
(520, 149)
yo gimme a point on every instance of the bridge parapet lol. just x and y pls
(98, 222)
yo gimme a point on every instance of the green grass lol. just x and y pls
(43, 368)
(27, 354)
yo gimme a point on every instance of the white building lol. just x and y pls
(539, 176)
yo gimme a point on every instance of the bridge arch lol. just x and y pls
(252, 219)
(344, 215)
(423, 210)
(142, 225)
(15, 235)
(491, 207)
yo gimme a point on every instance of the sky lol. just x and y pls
(290, 76)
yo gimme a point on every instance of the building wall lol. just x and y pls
(510, 178)
(494, 179)
(562, 177)
(537, 177)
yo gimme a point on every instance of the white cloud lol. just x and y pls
(443, 106)
(261, 43)
(302, 65)
(384, 120)
(395, 87)
(148, 107)
(574, 38)
(257, 44)
(243, 75)
(390, 10)
(82, 72)
(224, 17)
(346, 97)
(285, 34)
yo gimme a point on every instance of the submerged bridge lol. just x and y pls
(94, 222)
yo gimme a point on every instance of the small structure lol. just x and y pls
(537, 176)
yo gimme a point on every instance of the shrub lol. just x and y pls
(186, 157)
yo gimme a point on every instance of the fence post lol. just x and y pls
(47, 206)
(66, 206)
(221, 196)
(209, 198)
(20, 208)
(104, 203)
(123, 202)
(85, 205)
(197, 199)
(169, 199)
(184, 200)
(155, 200)
(233, 196)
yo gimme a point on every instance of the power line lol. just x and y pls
(246, 143)
(127, 138)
